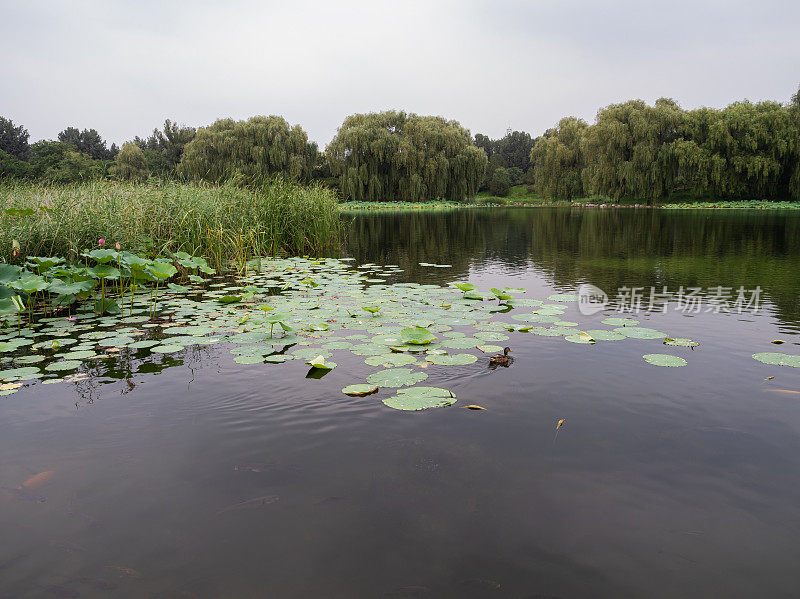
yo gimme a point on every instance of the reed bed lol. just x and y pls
(225, 224)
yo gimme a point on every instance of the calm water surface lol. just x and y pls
(663, 482)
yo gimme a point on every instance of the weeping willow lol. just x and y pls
(558, 160)
(254, 150)
(633, 150)
(398, 156)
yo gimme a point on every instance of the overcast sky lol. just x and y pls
(122, 67)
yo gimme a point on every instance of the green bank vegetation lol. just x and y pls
(221, 222)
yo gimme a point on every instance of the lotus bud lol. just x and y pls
(118, 246)
(101, 242)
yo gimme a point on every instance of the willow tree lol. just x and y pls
(629, 150)
(752, 150)
(398, 156)
(254, 149)
(131, 164)
(558, 162)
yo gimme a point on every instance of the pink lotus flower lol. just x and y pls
(118, 246)
(101, 242)
(72, 318)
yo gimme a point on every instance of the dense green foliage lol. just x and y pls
(407, 157)
(744, 151)
(558, 161)
(131, 164)
(88, 142)
(633, 152)
(13, 140)
(163, 150)
(254, 149)
(221, 223)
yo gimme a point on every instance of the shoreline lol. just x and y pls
(427, 206)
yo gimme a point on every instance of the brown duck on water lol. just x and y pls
(501, 359)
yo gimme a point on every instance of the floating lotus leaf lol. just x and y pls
(331, 345)
(465, 286)
(389, 339)
(605, 335)
(360, 390)
(490, 349)
(563, 297)
(387, 360)
(417, 336)
(579, 338)
(79, 355)
(543, 318)
(460, 343)
(640, 333)
(167, 348)
(778, 359)
(664, 360)
(63, 365)
(115, 341)
(452, 360)
(396, 377)
(620, 322)
(370, 349)
(255, 359)
(420, 398)
(277, 358)
(14, 373)
(491, 336)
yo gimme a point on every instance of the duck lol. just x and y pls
(501, 359)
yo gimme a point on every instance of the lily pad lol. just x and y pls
(396, 377)
(387, 360)
(417, 336)
(664, 360)
(452, 360)
(778, 359)
(360, 390)
(420, 398)
(640, 333)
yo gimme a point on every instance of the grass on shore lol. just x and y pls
(222, 223)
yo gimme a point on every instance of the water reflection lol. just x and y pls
(607, 248)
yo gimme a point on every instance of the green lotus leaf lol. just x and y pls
(664, 360)
(417, 336)
(778, 359)
(387, 360)
(63, 365)
(254, 359)
(460, 343)
(452, 360)
(563, 297)
(605, 335)
(420, 398)
(620, 322)
(167, 348)
(14, 373)
(640, 333)
(396, 377)
(360, 390)
(465, 286)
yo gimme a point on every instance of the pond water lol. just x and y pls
(188, 474)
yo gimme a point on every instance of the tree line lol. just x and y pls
(632, 150)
